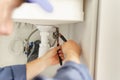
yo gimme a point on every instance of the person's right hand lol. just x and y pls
(71, 51)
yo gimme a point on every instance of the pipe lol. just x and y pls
(44, 33)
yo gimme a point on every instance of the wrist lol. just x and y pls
(73, 59)
(46, 62)
(35, 67)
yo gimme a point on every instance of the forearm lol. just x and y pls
(35, 67)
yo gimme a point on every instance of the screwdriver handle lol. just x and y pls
(63, 38)
(60, 59)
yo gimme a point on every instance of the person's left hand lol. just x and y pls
(6, 9)
(8, 6)
(51, 57)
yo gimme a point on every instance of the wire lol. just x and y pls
(31, 34)
(31, 52)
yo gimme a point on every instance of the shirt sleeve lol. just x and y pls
(70, 71)
(73, 71)
(17, 72)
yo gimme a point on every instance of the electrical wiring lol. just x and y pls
(31, 52)
(32, 34)
(27, 43)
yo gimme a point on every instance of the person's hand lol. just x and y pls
(8, 6)
(6, 9)
(37, 66)
(71, 51)
(51, 57)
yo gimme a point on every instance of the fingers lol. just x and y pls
(57, 48)
(72, 51)
(59, 52)
(69, 42)
(71, 46)
(6, 9)
(6, 23)
(62, 56)
(6, 28)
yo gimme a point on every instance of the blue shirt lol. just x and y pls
(69, 71)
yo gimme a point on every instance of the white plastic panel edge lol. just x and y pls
(65, 11)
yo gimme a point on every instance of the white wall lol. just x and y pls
(108, 49)
(85, 33)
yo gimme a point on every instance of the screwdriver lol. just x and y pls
(62, 37)
(58, 44)
(65, 40)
